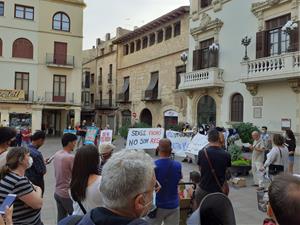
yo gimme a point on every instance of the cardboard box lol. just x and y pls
(239, 182)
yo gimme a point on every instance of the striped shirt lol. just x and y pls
(22, 214)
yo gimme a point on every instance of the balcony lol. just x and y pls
(275, 68)
(105, 104)
(150, 95)
(123, 98)
(205, 78)
(53, 98)
(61, 61)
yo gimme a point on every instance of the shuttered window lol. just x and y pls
(203, 58)
(237, 108)
(179, 70)
(22, 82)
(22, 48)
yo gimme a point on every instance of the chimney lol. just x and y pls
(107, 37)
(98, 41)
(94, 47)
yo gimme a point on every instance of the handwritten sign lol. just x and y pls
(179, 141)
(106, 136)
(90, 136)
(13, 95)
(68, 131)
(197, 144)
(144, 138)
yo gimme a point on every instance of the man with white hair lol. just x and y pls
(258, 156)
(127, 186)
(105, 151)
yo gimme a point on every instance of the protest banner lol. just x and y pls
(106, 136)
(144, 138)
(68, 131)
(90, 136)
(198, 142)
(179, 141)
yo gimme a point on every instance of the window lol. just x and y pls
(1, 8)
(110, 97)
(102, 51)
(61, 21)
(168, 34)
(110, 73)
(152, 89)
(126, 49)
(152, 39)
(145, 42)
(22, 82)
(0, 47)
(110, 68)
(92, 98)
(179, 70)
(177, 29)
(92, 78)
(204, 46)
(125, 89)
(111, 48)
(205, 3)
(86, 97)
(24, 12)
(237, 108)
(278, 41)
(60, 53)
(100, 96)
(132, 47)
(160, 36)
(87, 80)
(22, 48)
(59, 88)
(126, 118)
(100, 76)
(204, 58)
(138, 45)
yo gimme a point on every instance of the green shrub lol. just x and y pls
(241, 162)
(141, 125)
(123, 131)
(235, 152)
(245, 130)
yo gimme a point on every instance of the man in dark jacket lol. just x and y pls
(127, 187)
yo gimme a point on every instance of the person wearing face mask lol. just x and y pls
(7, 136)
(168, 173)
(127, 186)
(36, 173)
(28, 203)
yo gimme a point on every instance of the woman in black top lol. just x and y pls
(290, 142)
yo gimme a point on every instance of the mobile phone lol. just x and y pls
(50, 159)
(8, 201)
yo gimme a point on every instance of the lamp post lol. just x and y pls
(184, 57)
(246, 42)
(288, 28)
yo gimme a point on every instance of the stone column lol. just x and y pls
(36, 119)
(64, 120)
(189, 109)
(4, 116)
(77, 117)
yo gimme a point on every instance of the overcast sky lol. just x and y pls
(104, 16)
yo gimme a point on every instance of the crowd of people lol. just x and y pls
(102, 187)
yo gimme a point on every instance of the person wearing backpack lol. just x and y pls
(127, 187)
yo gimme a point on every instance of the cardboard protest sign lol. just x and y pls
(144, 138)
(67, 131)
(179, 141)
(90, 136)
(106, 136)
(198, 142)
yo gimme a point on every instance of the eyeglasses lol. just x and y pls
(157, 186)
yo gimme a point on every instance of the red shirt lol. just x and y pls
(25, 132)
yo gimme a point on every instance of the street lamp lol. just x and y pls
(288, 28)
(184, 57)
(246, 42)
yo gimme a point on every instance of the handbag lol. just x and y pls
(225, 188)
(276, 169)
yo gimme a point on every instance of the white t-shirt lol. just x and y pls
(194, 219)
(92, 198)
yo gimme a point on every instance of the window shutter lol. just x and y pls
(295, 39)
(196, 59)
(261, 47)
(214, 58)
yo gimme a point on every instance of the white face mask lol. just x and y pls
(148, 210)
(30, 162)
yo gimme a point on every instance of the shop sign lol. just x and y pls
(11, 95)
(171, 113)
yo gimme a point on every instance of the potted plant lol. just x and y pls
(239, 165)
(245, 133)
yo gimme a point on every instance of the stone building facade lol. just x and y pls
(224, 86)
(148, 67)
(40, 60)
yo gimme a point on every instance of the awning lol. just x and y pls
(153, 82)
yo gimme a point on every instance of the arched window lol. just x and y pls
(22, 48)
(237, 108)
(0, 47)
(61, 21)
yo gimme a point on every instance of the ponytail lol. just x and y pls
(4, 171)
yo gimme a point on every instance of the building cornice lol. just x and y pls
(173, 15)
(259, 7)
(80, 3)
(207, 24)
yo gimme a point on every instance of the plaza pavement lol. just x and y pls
(244, 199)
